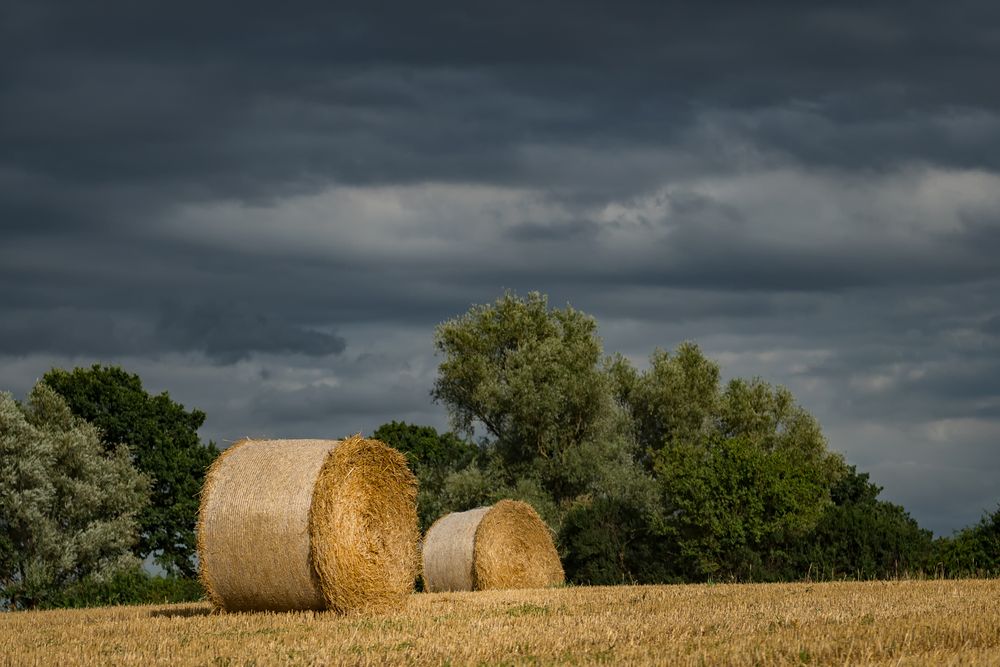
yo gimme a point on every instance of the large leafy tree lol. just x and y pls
(534, 381)
(734, 509)
(163, 440)
(744, 471)
(531, 377)
(675, 400)
(68, 504)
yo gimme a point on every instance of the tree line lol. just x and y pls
(660, 475)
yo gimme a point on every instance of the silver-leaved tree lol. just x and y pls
(67, 506)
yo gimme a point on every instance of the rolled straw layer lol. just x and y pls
(503, 546)
(308, 524)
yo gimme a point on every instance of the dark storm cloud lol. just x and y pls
(251, 101)
(81, 293)
(228, 335)
(62, 330)
(222, 333)
(532, 231)
(992, 326)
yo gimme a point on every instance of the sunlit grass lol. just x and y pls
(899, 622)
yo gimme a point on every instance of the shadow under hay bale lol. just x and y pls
(503, 546)
(308, 524)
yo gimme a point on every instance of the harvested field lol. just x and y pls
(901, 622)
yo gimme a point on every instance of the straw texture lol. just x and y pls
(448, 551)
(308, 524)
(503, 546)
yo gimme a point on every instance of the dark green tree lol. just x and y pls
(608, 535)
(744, 471)
(163, 440)
(433, 457)
(735, 509)
(67, 506)
(424, 447)
(862, 537)
(972, 551)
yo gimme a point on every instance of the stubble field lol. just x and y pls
(899, 623)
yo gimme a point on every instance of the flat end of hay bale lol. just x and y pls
(363, 523)
(514, 549)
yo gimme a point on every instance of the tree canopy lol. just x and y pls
(68, 504)
(863, 537)
(531, 377)
(528, 374)
(972, 551)
(162, 438)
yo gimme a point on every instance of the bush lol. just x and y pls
(862, 537)
(971, 552)
(127, 587)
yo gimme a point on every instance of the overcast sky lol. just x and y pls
(265, 210)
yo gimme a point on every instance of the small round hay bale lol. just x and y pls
(308, 524)
(503, 546)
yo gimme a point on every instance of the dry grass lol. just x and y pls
(898, 623)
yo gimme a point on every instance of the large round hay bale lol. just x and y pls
(308, 524)
(503, 546)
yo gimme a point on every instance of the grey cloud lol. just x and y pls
(228, 334)
(355, 400)
(992, 326)
(956, 137)
(531, 231)
(251, 102)
(937, 494)
(68, 330)
(222, 333)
